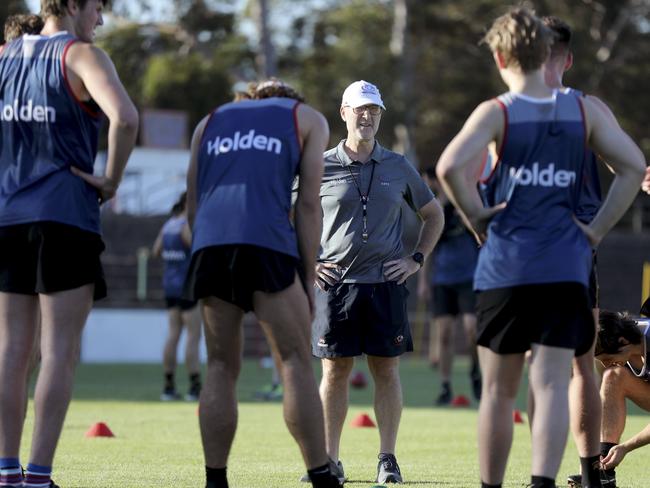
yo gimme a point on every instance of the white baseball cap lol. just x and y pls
(361, 93)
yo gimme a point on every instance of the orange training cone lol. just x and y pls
(100, 429)
(362, 420)
(517, 418)
(460, 401)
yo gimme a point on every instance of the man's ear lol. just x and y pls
(501, 62)
(342, 112)
(72, 6)
(569, 61)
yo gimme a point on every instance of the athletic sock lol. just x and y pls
(322, 477)
(169, 381)
(37, 476)
(590, 468)
(542, 482)
(216, 477)
(487, 485)
(605, 447)
(475, 371)
(11, 474)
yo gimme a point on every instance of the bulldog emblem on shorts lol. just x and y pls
(398, 340)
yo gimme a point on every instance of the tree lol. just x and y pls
(189, 65)
(265, 58)
(190, 83)
(431, 69)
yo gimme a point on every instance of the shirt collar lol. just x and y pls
(345, 160)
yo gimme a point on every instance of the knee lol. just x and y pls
(337, 370)
(384, 370)
(498, 391)
(173, 338)
(614, 378)
(445, 338)
(218, 368)
(223, 362)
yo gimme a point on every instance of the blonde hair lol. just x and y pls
(19, 24)
(57, 8)
(521, 38)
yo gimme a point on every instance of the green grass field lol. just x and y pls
(158, 445)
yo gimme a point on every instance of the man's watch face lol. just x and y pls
(418, 257)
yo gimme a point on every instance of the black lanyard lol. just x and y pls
(364, 198)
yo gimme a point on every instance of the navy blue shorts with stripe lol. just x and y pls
(363, 318)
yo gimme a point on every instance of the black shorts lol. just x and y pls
(234, 272)
(594, 287)
(48, 257)
(175, 302)
(363, 318)
(511, 319)
(455, 299)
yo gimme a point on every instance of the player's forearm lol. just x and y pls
(434, 222)
(621, 194)
(309, 224)
(122, 134)
(639, 440)
(464, 196)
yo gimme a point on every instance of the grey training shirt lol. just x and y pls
(395, 181)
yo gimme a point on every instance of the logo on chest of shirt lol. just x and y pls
(546, 177)
(341, 181)
(249, 141)
(27, 113)
(173, 255)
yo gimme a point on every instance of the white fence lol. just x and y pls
(128, 336)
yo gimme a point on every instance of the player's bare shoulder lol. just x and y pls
(86, 59)
(310, 120)
(600, 105)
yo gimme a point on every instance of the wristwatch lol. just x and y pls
(418, 257)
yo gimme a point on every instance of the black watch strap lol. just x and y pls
(418, 257)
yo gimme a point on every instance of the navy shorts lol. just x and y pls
(511, 319)
(175, 302)
(233, 273)
(454, 299)
(48, 257)
(363, 318)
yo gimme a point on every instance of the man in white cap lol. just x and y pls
(362, 268)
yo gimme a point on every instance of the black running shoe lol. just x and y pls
(444, 398)
(606, 480)
(193, 393)
(388, 469)
(574, 481)
(335, 468)
(169, 395)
